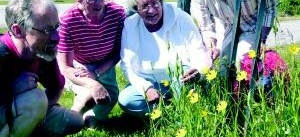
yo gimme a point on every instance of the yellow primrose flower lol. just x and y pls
(204, 113)
(194, 98)
(191, 93)
(165, 82)
(251, 54)
(211, 75)
(294, 49)
(205, 70)
(241, 75)
(181, 133)
(222, 106)
(155, 114)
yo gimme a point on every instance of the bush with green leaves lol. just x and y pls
(289, 7)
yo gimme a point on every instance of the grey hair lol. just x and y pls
(21, 12)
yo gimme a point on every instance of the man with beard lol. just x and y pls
(89, 48)
(27, 57)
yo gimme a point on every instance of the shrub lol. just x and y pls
(289, 7)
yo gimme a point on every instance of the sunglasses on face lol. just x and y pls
(48, 31)
(146, 7)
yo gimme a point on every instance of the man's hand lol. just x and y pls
(152, 94)
(191, 75)
(211, 45)
(99, 93)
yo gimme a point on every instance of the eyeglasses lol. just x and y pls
(146, 7)
(47, 31)
(92, 1)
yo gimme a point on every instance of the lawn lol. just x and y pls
(201, 114)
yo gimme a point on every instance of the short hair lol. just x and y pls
(21, 12)
(132, 4)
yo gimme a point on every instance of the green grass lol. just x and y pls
(281, 119)
(2, 30)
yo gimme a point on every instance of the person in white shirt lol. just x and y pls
(155, 40)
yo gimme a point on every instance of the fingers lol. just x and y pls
(152, 94)
(191, 74)
(82, 72)
(215, 54)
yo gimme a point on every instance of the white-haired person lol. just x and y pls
(155, 38)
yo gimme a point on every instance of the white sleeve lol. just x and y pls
(128, 63)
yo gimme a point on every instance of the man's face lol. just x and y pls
(150, 11)
(42, 38)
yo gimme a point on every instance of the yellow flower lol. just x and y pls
(181, 133)
(294, 49)
(155, 114)
(165, 82)
(191, 93)
(205, 70)
(241, 75)
(211, 75)
(204, 113)
(194, 98)
(251, 54)
(222, 106)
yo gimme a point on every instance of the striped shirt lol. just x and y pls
(205, 10)
(90, 42)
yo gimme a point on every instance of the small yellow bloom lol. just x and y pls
(155, 114)
(191, 93)
(205, 70)
(241, 75)
(194, 98)
(165, 82)
(294, 49)
(204, 113)
(222, 106)
(181, 133)
(251, 54)
(212, 74)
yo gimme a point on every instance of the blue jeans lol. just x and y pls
(266, 82)
(133, 102)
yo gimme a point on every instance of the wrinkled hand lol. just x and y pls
(214, 52)
(191, 75)
(99, 93)
(83, 72)
(211, 45)
(152, 95)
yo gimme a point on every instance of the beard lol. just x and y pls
(48, 53)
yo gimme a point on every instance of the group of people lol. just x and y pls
(79, 51)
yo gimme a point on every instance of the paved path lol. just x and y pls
(289, 31)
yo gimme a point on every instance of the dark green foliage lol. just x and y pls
(289, 7)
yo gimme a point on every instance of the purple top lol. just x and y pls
(91, 42)
(12, 66)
